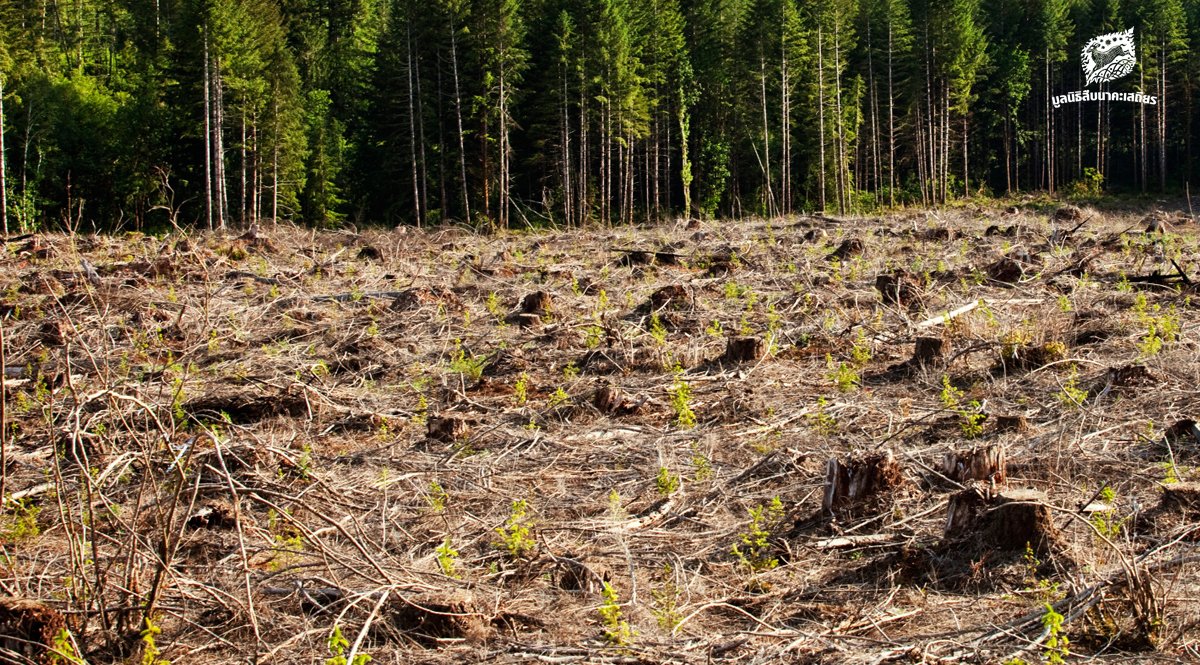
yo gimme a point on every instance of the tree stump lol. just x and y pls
(899, 288)
(1020, 518)
(1006, 271)
(849, 249)
(986, 463)
(28, 630)
(929, 352)
(848, 482)
(447, 429)
(964, 510)
(744, 349)
(608, 399)
(1181, 495)
(431, 618)
(533, 307)
(674, 296)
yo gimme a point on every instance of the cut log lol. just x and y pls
(1020, 519)
(849, 482)
(986, 463)
(744, 349)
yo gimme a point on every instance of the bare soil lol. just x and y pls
(455, 447)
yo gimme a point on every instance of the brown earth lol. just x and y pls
(449, 446)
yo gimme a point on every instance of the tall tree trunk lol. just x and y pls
(421, 131)
(208, 162)
(770, 195)
(3, 175)
(1142, 130)
(462, 141)
(242, 149)
(412, 128)
(891, 124)
(1162, 119)
(821, 115)
(219, 143)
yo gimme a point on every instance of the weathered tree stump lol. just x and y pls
(899, 288)
(964, 510)
(1184, 431)
(986, 463)
(1068, 213)
(538, 303)
(1181, 495)
(850, 481)
(431, 618)
(1020, 518)
(1012, 424)
(850, 248)
(29, 630)
(370, 253)
(929, 352)
(608, 399)
(447, 429)
(744, 349)
(1006, 271)
(675, 296)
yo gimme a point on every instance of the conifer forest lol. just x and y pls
(526, 112)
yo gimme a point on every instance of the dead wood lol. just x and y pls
(855, 479)
(986, 463)
(744, 349)
(29, 630)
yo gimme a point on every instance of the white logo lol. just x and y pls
(1109, 57)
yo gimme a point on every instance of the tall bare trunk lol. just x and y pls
(821, 114)
(208, 163)
(412, 128)
(770, 195)
(462, 141)
(3, 182)
(891, 125)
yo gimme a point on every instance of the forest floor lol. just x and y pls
(955, 436)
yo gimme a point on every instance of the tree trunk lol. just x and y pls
(421, 132)
(891, 124)
(462, 145)
(770, 196)
(219, 142)
(208, 163)
(3, 180)
(821, 115)
(412, 129)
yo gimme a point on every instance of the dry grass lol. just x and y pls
(254, 440)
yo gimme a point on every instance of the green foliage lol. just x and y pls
(516, 534)
(970, 417)
(1161, 327)
(18, 522)
(64, 652)
(843, 375)
(1071, 394)
(338, 645)
(436, 498)
(1058, 645)
(150, 651)
(617, 631)
(666, 482)
(470, 366)
(666, 596)
(681, 400)
(754, 549)
(521, 389)
(820, 419)
(658, 332)
(447, 558)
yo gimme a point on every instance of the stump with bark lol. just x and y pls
(850, 481)
(1020, 518)
(986, 463)
(744, 349)
(930, 352)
